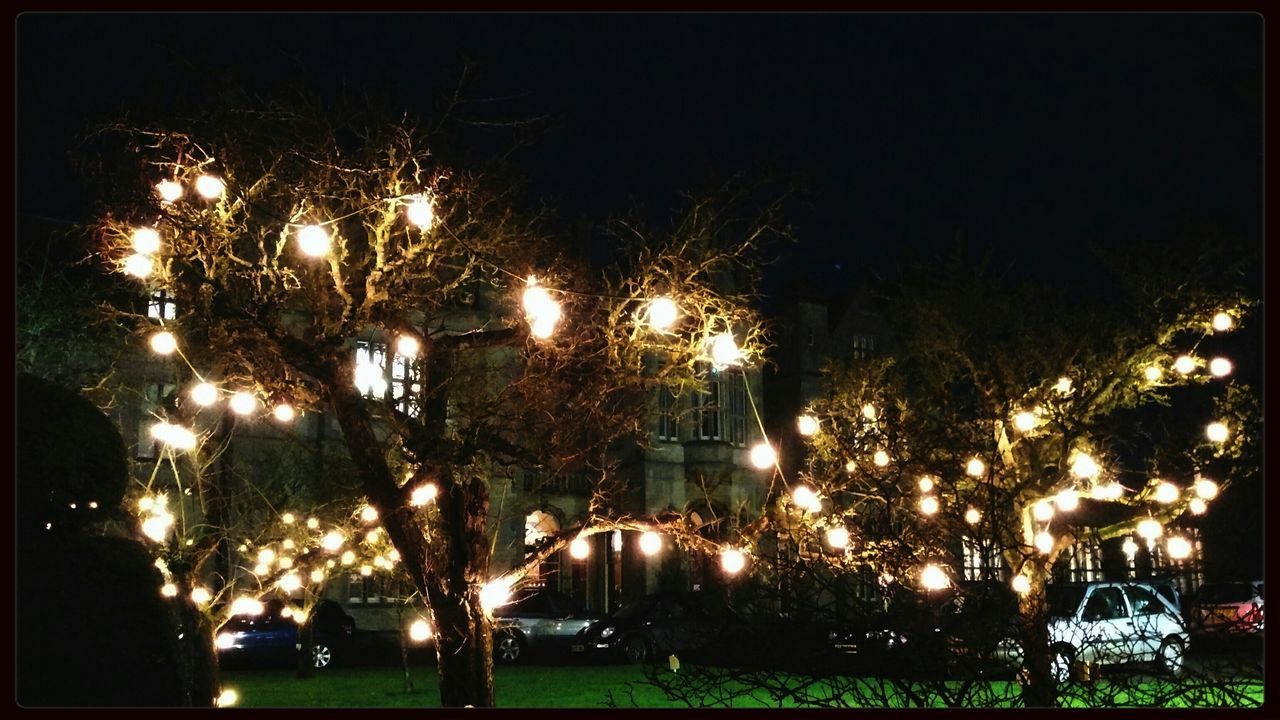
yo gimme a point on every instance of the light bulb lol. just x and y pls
(1021, 584)
(210, 187)
(229, 696)
(312, 523)
(169, 190)
(929, 505)
(243, 403)
(1024, 421)
(317, 576)
(579, 549)
(807, 425)
(283, 413)
(1085, 467)
(972, 516)
(1220, 367)
(1222, 322)
(266, 556)
(732, 561)
(1150, 529)
(763, 456)
(1044, 542)
(366, 570)
(1129, 547)
(650, 543)
(164, 343)
(537, 301)
(245, 605)
(1206, 488)
(851, 467)
(725, 351)
(200, 595)
(881, 458)
(806, 499)
(204, 394)
(933, 577)
(1067, 500)
(975, 467)
(1042, 510)
(290, 583)
(169, 590)
(139, 266)
(1197, 506)
(1153, 373)
(1216, 432)
(1063, 386)
(368, 514)
(495, 593)
(313, 241)
(420, 213)
(146, 240)
(348, 557)
(407, 346)
(1179, 548)
(423, 494)
(420, 631)
(662, 313)
(869, 412)
(332, 541)
(925, 484)
(1166, 493)
(838, 537)
(1185, 364)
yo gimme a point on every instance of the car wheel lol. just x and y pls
(636, 650)
(321, 655)
(1171, 655)
(509, 648)
(1064, 658)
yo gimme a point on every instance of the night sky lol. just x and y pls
(1026, 134)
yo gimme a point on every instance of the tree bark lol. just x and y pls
(306, 667)
(1039, 689)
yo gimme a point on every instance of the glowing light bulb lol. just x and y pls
(313, 241)
(1067, 500)
(169, 190)
(1179, 548)
(210, 187)
(1150, 529)
(1025, 421)
(933, 577)
(1130, 547)
(732, 561)
(423, 494)
(542, 311)
(1197, 506)
(929, 505)
(1042, 510)
(243, 403)
(169, 590)
(1085, 467)
(285, 562)
(1220, 367)
(157, 527)
(317, 576)
(763, 456)
(145, 240)
(393, 555)
(1021, 584)
(420, 212)
(495, 593)
(1153, 373)
(1166, 493)
(925, 484)
(881, 458)
(283, 413)
(201, 595)
(807, 425)
(662, 313)
(312, 523)
(204, 394)
(1044, 542)
(229, 696)
(838, 537)
(650, 543)
(266, 556)
(408, 346)
(290, 583)
(1222, 322)
(1063, 386)
(163, 343)
(579, 549)
(1206, 488)
(806, 499)
(850, 467)
(420, 631)
(372, 536)
(1185, 364)
(366, 570)
(348, 557)
(288, 544)
(1216, 432)
(975, 467)
(139, 266)
(972, 516)
(725, 351)
(333, 541)
(368, 514)
(869, 412)
(245, 605)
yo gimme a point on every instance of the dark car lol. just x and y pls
(1229, 608)
(658, 625)
(541, 621)
(273, 635)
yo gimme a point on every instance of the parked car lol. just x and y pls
(545, 620)
(658, 625)
(1229, 608)
(1108, 623)
(273, 634)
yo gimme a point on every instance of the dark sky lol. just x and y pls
(1030, 134)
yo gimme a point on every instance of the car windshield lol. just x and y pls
(635, 609)
(1064, 600)
(1229, 593)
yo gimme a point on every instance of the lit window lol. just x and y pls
(981, 560)
(405, 387)
(161, 306)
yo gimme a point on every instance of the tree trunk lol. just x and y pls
(1039, 689)
(464, 649)
(306, 666)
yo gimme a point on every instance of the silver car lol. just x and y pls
(542, 621)
(1108, 623)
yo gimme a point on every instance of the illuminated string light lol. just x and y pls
(408, 346)
(1222, 322)
(851, 467)
(169, 191)
(1220, 367)
(283, 413)
(312, 523)
(145, 240)
(1021, 584)
(662, 313)
(1085, 467)
(975, 467)
(169, 590)
(366, 570)
(972, 516)
(881, 458)
(139, 266)
(1179, 548)
(204, 394)
(201, 595)
(1150, 529)
(495, 594)
(368, 514)
(1129, 547)
(333, 541)
(1063, 386)
(763, 456)
(285, 562)
(423, 494)
(1044, 542)
(1206, 488)
(1067, 500)
(838, 537)
(925, 484)
(317, 576)
(313, 241)
(1153, 373)
(806, 499)
(1185, 364)
(266, 556)
(163, 343)
(933, 577)
(288, 544)
(929, 505)
(807, 425)
(732, 561)
(290, 583)
(420, 631)
(869, 412)
(243, 403)
(348, 557)
(1025, 421)
(725, 351)
(210, 187)
(1197, 506)
(421, 212)
(1042, 510)
(650, 543)
(579, 549)
(1216, 432)
(541, 310)
(229, 696)
(245, 605)
(1166, 493)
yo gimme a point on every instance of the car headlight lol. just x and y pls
(607, 632)
(225, 640)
